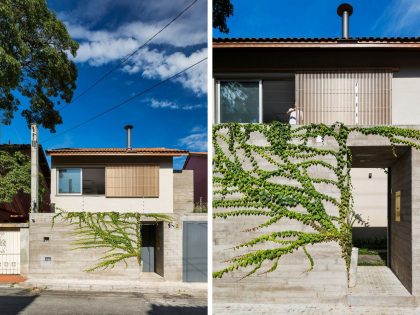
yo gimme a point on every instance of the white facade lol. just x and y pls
(406, 97)
(101, 203)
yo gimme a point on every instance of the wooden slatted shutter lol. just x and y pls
(134, 180)
(353, 98)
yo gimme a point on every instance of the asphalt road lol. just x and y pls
(18, 301)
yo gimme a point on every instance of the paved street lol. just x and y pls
(18, 301)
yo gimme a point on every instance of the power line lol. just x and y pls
(126, 100)
(125, 59)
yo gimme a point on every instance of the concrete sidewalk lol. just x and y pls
(138, 286)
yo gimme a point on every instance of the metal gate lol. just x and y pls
(195, 251)
(9, 252)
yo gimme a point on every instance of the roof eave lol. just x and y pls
(116, 154)
(316, 45)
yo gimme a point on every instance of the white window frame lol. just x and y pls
(260, 96)
(58, 181)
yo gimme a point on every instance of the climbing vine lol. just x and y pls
(118, 233)
(270, 171)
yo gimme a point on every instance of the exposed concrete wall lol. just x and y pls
(163, 204)
(183, 191)
(327, 281)
(415, 221)
(68, 263)
(65, 262)
(400, 242)
(24, 251)
(173, 244)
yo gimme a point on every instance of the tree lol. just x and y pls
(15, 175)
(222, 10)
(34, 58)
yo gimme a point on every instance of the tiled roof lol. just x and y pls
(398, 42)
(117, 151)
(198, 153)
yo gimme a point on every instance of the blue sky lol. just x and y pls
(318, 18)
(174, 115)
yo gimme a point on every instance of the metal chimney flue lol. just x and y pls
(345, 10)
(128, 129)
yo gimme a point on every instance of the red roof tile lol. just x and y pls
(117, 151)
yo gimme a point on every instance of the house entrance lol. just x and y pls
(382, 195)
(152, 248)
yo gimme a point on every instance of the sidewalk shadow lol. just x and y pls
(14, 304)
(177, 310)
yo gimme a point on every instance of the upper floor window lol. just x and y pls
(255, 101)
(70, 181)
(133, 180)
(239, 101)
(94, 181)
(77, 181)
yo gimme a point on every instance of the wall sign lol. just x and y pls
(398, 206)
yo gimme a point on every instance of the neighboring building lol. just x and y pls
(197, 162)
(14, 217)
(357, 81)
(18, 209)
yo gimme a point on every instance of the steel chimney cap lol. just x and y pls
(126, 127)
(344, 7)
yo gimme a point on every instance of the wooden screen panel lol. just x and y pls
(362, 98)
(136, 180)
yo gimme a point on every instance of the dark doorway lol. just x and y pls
(148, 234)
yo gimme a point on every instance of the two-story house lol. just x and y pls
(361, 81)
(136, 180)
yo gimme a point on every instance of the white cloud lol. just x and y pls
(102, 47)
(154, 103)
(198, 129)
(400, 18)
(163, 104)
(195, 142)
(153, 64)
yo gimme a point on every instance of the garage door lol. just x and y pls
(9, 252)
(195, 251)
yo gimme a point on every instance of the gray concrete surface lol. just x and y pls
(18, 301)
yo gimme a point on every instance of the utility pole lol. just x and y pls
(34, 168)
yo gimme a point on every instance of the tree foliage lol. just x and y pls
(34, 48)
(118, 233)
(222, 10)
(15, 175)
(276, 180)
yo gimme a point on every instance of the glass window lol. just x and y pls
(239, 101)
(69, 180)
(94, 181)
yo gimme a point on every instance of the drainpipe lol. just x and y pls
(34, 168)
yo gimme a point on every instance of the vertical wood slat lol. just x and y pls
(133, 180)
(327, 97)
